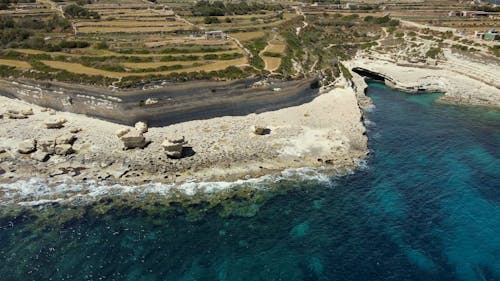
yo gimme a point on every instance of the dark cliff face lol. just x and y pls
(170, 104)
(370, 74)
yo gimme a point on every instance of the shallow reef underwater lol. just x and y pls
(424, 206)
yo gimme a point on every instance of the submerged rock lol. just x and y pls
(27, 146)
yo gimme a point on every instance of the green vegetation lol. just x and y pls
(230, 72)
(255, 47)
(345, 72)
(495, 50)
(192, 50)
(220, 8)
(384, 21)
(211, 20)
(5, 4)
(272, 54)
(433, 52)
(103, 45)
(24, 32)
(75, 11)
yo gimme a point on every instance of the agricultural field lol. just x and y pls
(109, 41)
(136, 41)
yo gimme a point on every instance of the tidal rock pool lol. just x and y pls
(425, 207)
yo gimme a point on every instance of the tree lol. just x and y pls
(75, 11)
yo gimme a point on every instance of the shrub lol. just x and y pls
(74, 44)
(272, 54)
(210, 20)
(103, 45)
(433, 52)
(79, 12)
(210, 57)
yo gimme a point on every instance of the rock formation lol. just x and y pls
(40, 156)
(151, 101)
(66, 139)
(47, 145)
(173, 148)
(27, 146)
(63, 149)
(120, 133)
(261, 130)
(141, 127)
(133, 139)
(15, 114)
(55, 123)
(27, 112)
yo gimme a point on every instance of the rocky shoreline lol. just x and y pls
(326, 133)
(452, 78)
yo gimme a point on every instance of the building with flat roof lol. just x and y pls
(216, 34)
(491, 35)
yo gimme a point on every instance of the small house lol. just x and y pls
(349, 6)
(217, 34)
(491, 35)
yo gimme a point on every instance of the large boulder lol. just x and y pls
(55, 123)
(133, 139)
(66, 139)
(46, 145)
(173, 148)
(27, 112)
(27, 146)
(75, 130)
(261, 130)
(63, 149)
(141, 127)
(121, 132)
(40, 156)
(15, 114)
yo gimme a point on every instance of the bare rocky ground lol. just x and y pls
(464, 77)
(457, 84)
(326, 132)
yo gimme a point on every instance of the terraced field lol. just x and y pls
(15, 63)
(81, 69)
(143, 39)
(272, 53)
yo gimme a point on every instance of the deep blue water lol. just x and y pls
(426, 208)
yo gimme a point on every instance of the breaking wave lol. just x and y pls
(38, 191)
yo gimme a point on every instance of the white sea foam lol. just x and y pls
(37, 191)
(369, 108)
(369, 123)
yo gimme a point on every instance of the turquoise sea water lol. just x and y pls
(426, 207)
